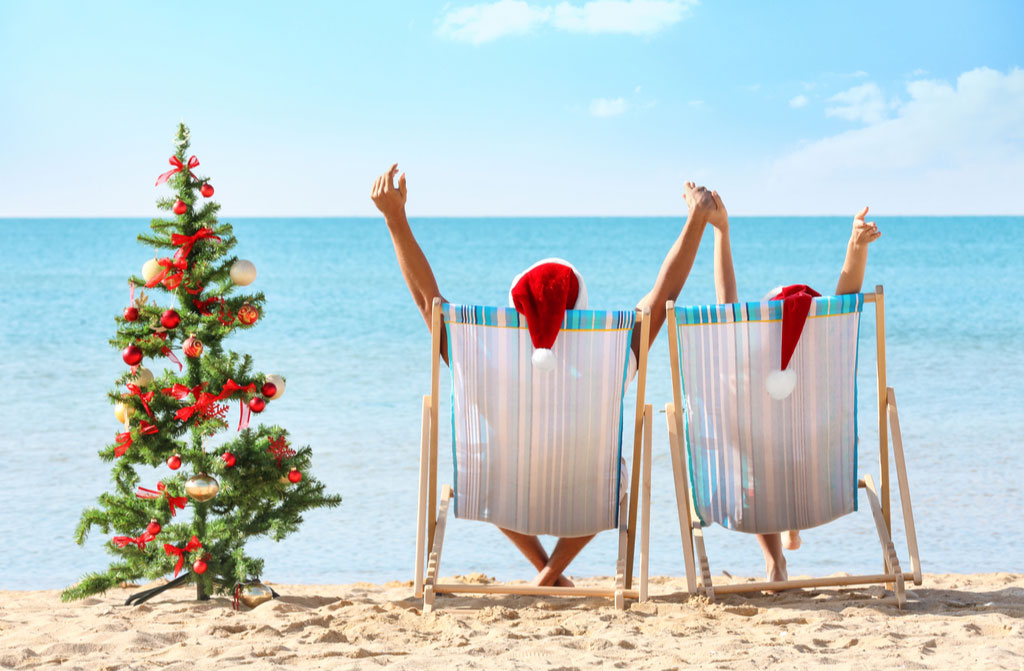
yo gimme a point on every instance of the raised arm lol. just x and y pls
(852, 276)
(677, 264)
(416, 270)
(725, 276)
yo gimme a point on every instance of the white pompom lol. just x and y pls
(780, 384)
(543, 358)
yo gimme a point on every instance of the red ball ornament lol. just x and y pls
(174, 462)
(257, 404)
(229, 459)
(206, 190)
(153, 527)
(248, 315)
(170, 319)
(199, 566)
(180, 207)
(269, 389)
(193, 347)
(294, 475)
(131, 314)
(132, 355)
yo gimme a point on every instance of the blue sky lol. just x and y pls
(516, 107)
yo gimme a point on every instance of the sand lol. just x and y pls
(952, 622)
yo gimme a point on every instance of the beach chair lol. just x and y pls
(534, 451)
(761, 465)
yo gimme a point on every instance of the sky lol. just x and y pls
(516, 107)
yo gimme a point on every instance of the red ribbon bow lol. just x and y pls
(230, 387)
(124, 440)
(146, 398)
(202, 401)
(170, 281)
(193, 544)
(122, 541)
(173, 502)
(178, 167)
(185, 242)
(180, 391)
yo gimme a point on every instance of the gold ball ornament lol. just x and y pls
(243, 273)
(143, 377)
(254, 593)
(278, 382)
(150, 269)
(122, 411)
(202, 487)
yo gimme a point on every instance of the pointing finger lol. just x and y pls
(863, 213)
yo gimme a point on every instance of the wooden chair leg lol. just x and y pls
(645, 503)
(434, 561)
(620, 564)
(682, 485)
(904, 485)
(421, 499)
(892, 562)
(705, 568)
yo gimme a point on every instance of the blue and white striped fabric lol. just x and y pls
(537, 451)
(758, 464)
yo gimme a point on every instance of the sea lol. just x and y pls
(341, 327)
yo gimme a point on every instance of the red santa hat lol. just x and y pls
(797, 299)
(542, 293)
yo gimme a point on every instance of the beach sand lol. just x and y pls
(951, 622)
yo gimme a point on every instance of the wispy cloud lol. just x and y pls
(960, 138)
(864, 103)
(798, 101)
(481, 23)
(608, 107)
(488, 21)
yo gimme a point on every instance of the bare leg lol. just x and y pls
(565, 551)
(774, 561)
(791, 540)
(535, 553)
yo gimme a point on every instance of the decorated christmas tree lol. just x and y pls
(176, 503)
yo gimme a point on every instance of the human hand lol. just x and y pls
(864, 233)
(699, 200)
(719, 217)
(389, 199)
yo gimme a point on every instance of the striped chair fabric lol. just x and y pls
(762, 465)
(537, 451)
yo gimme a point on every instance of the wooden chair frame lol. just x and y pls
(432, 515)
(892, 576)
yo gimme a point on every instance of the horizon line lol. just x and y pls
(4, 217)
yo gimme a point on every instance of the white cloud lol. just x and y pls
(861, 103)
(950, 148)
(634, 17)
(488, 21)
(608, 107)
(798, 101)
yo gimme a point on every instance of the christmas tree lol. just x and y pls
(193, 508)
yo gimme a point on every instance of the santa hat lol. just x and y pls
(796, 303)
(542, 293)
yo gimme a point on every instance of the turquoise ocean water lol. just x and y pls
(340, 326)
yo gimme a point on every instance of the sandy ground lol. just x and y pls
(952, 622)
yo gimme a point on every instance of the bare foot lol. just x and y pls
(564, 582)
(791, 540)
(775, 573)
